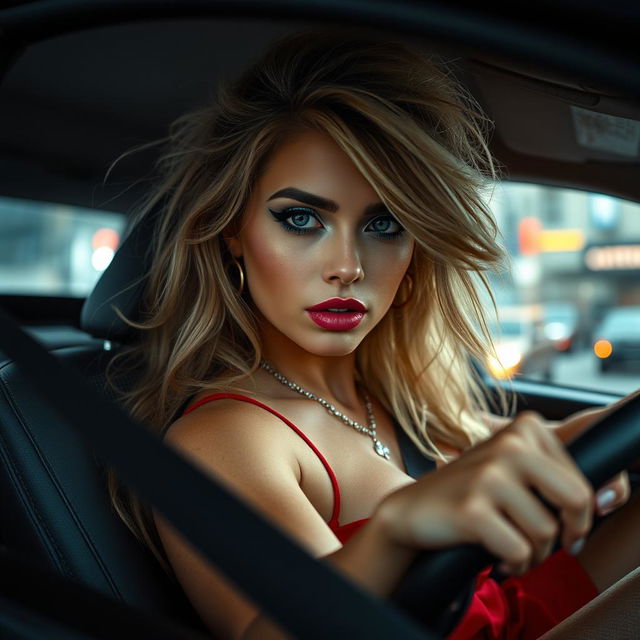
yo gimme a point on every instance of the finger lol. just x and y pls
(537, 457)
(564, 487)
(503, 540)
(540, 437)
(555, 476)
(530, 516)
(550, 442)
(613, 494)
(538, 432)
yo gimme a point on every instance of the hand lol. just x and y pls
(491, 495)
(616, 492)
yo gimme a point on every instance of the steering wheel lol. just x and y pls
(605, 449)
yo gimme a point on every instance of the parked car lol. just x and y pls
(84, 82)
(616, 342)
(561, 324)
(522, 349)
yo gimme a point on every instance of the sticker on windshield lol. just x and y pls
(601, 131)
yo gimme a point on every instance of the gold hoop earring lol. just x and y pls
(238, 266)
(396, 305)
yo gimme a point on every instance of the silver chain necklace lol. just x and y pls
(378, 447)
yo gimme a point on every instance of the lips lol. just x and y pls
(349, 304)
(337, 314)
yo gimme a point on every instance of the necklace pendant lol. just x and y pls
(378, 447)
(381, 449)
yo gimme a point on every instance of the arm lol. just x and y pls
(251, 453)
(485, 497)
(354, 560)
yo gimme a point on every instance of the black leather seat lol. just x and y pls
(55, 508)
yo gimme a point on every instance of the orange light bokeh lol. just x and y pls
(603, 348)
(529, 229)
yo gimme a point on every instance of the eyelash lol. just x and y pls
(282, 217)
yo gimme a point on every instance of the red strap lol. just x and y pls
(333, 523)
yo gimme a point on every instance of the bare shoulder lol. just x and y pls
(222, 419)
(248, 450)
(257, 457)
(235, 439)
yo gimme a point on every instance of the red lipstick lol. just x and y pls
(337, 314)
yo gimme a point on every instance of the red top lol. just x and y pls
(518, 608)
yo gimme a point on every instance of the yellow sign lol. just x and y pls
(561, 240)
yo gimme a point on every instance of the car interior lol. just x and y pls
(86, 89)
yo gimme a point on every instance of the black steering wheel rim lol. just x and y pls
(609, 446)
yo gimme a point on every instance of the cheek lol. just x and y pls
(387, 266)
(272, 267)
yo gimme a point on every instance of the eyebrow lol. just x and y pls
(323, 203)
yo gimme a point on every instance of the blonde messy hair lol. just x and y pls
(419, 140)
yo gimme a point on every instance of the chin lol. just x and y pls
(332, 344)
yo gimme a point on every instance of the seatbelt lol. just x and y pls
(417, 465)
(308, 598)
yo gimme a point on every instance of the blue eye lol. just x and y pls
(381, 224)
(297, 219)
(385, 227)
(300, 220)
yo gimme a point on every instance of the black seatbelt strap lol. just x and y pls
(308, 598)
(416, 465)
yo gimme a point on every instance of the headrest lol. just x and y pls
(122, 284)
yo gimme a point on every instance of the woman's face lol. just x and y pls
(316, 238)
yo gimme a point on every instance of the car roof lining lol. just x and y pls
(72, 104)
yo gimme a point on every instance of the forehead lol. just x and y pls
(313, 162)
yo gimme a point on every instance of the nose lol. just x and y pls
(343, 263)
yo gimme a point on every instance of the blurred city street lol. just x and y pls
(580, 369)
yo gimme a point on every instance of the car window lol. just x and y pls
(50, 249)
(569, 308)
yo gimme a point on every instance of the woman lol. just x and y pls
(314, 289)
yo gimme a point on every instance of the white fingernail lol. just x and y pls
(576, 547)
(605, 498)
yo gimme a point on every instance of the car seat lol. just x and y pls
(55, 507)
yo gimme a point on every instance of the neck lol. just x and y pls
(329, 377)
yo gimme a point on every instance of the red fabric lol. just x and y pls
(518, 608)
(345, 531)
